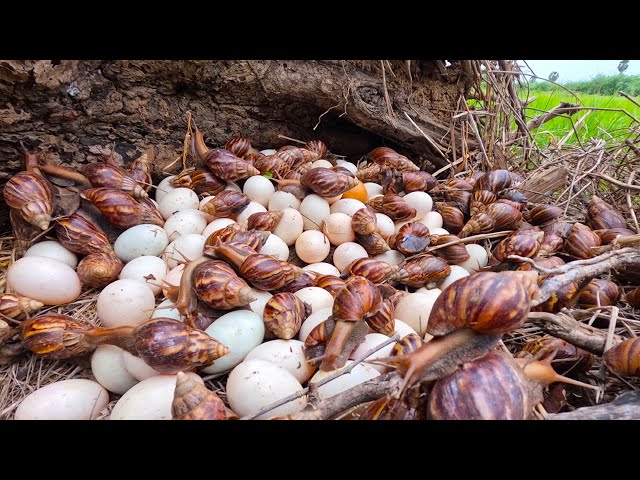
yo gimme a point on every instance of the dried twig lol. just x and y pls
(624, 407)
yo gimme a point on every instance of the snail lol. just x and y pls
(633, 297)
(543, 214)
(425, 271)
(383, 321)
(580, 241)
(17, 306)
(330, 283)
(364, 221)
(99, 269)
(567, 358)
(599, 292)
(193, 401)
(453, 254)
(112, 176)
(412, 238)
(600, 215)
(240, 147)
(122, 210)
(227, 166)
(226, 204)
(393, 206)
(624, 357)
(80, 235)
(394, 182)
(491, 218)
(267, 273)
(373, 243)
(216, 284)
(141, 168)
(266, 221)
(387, 157)
(32, 195)
(284, 313)
(201, 181)
(452, 216)
(523, 244)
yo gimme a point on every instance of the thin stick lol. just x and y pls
(616, 182)
(327, 379)
(630, 204)
(292, 139)
(429, 139)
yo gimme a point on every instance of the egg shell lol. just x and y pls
(125, 302)
(268, 151)
(432, 220)
(317, 298)
(403, 329)
(348, 206)
(137, 368)
(373, 189)
(322, 268)
(346, 253)
(140, 240)
(360, 374)
(44, 279)
(253, 207)
(421, 201)
(74, 399)
(262, 297)
(256, 383)
(392, 257)
(165, 186)
(290, 226)
(384, 225)
(259, 189)
(217, 224)
(414, 309)
(313, 321)
(107, 365)
(173, 277)
(185, 222)
(233, 186)
(337, 228)
(372, 340)
(314, 210)
(321, 163)
(240, 331)
(161, 312)
(287, 354)
(275, 247)
(281, 200)
(348, 165)
(55, 250)
(332, 200)
(312, 246)
(478, 258)
(146, 268)
(439, 231)
(457, 272)
(150, 399)
(190, 246)
(177, 200)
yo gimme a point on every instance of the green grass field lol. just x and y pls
(605, 124)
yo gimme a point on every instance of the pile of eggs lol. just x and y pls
(259, 372)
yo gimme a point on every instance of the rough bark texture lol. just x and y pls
(64, 107)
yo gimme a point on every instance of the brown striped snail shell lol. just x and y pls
(320, 334)
(600, 215)
(32, 195)
(364, 221)
(412, 238)
(392, 183)
(170, 346)
(268, 273)
(514, 198)
(120, 209)
(493, 181)
(421, 272)
(406, 345)
(274, 164)
(112, 176)
(194, 401)
(284, 314)
(357, 299)
(327, 182)
(486, 302)
(265, 221)
(580, 241)
(389, 158)
(523, 244)
(81, 236)
(491, 218)
(393, 206)
(203, 182)
(559, 228)
(480, 198)
(452, 216)
(567, 357)
(624, 358)
(217, 285)
(141, 168)
(369, 268)
(373, 243)
(233, 253)
(16, 306)
(317, 147)
(383, 320)
(608, 235)
(543, 214)
(392, 293)
(418, 181)
(297, 156)
(99, 269)
(226, 204)
(239, 146)
(307, 279)
(599, 292)
(252, 238)
(369, 173)
(227, 166)
(330, 283)
(633, 297)
(550, 244)
(453, 254)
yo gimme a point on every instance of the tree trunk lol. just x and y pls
(64, 107)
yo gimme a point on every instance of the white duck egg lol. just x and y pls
(314, 210)
(346, 253)
(457, 272)
(321, 163)
(262, 297)
(372, 340)
(55, 250)
(348, 206)
(150, 399)
(276, 247)
(432, 220)
(217, 224)
(146, 269)
(439, 231)
(233, 186)
(257, 383)
(392, 257)
(287, 354)
(313, 321)
(145, 239)
(162, 311)
(259, 189)
(183, 248)
(290, 226)
(317, 298)
(322, 268)
(240, 331)
(384, 225)
(185, 222)
(403, 329)
(137, 368)
(373, 189)
(268, 151)
(348, 165)
(281, 200)
(360, 374)
(125, 302)
(74, 399)
(107, 365)
(312, 246)
(478, 258)
(332, 200)
(249, 210)
(178, 200)
(421, 201)
(165, 186)
(414, 309)
(44, 279)
(337, 228)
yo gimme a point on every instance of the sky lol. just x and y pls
(571, 70)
